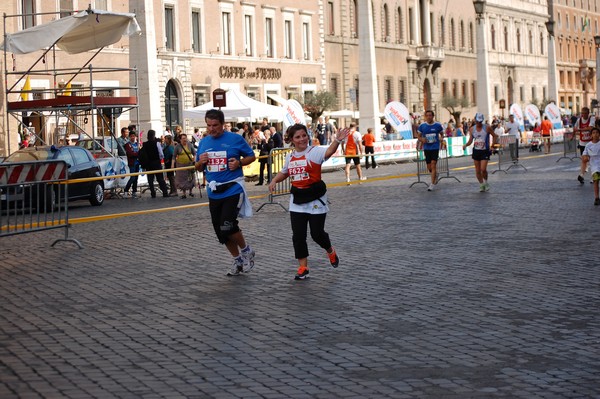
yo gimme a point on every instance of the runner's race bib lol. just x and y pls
(217, 161)
(431, 137)
(297, 170)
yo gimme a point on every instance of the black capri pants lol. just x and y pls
(300, 222)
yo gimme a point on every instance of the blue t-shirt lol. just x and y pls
(220, 149)
(431, 133)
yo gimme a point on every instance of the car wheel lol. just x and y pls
(97, 194)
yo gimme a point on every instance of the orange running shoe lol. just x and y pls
(302, 273)
(333, 258)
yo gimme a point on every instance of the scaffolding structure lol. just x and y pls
(76, 106)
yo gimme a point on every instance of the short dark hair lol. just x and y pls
(123, 129)
(151, 135)
(215, 114)
(429, 110)
(291, 131)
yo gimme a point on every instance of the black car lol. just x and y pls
(80, 163)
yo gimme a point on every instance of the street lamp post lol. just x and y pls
(552, 81)
(597, 42)
(483, 75)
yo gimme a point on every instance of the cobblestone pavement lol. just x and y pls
(445, 294)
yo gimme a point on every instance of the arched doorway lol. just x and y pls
(426, 95)
(509, 91)
(172, 105)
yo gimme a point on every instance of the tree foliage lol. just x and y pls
(455, 105)
(316, 103)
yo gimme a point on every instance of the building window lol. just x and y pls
(493, 37)
(356, 88)
(28, 11)
(287, 39)
(522, 93)
(442, 32)
(533, 94)
(200, 97)
(101, 5)
(506, 39)
(402, 91)
(330, 18)
(334, 88)
(471, 36)
(464, 89)
(444, 87)
(306, 40)
(354, 19)
(386, 23)
(169, 28)
(544, 93)
(400, 26)
(226, 30)
(388, 90)
(411, 22)
(269, 48)
(542, 43)
(461, 34)
(452, 34)
(518, 40)
(496, 93)
(66, 8)
(248, 35)
(196, 32)
(474, 92)
(530, 42)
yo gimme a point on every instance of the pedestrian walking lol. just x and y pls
(308, 200)
(430, 135)
(591, 155)
(221, 155)
(154, 157)
(479, 135)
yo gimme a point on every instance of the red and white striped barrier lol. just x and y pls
(34, 172)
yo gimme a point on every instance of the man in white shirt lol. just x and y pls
(513, 128)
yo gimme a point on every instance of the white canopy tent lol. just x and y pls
(77, 33)
(239, 106)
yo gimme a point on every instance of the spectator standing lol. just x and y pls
(591, 155)
(480, 136)
(330, 130)
(221, 155)
(514, 129)
(583, 129)
(430, 134)
(154, 157)
(321, 131)
(308, 200)
(277, 138)
(121, 141)
(132, 149)
(264, 149)
(547, 132)
(352, 148)
(168, 151)
(369, 142)
(184, 155)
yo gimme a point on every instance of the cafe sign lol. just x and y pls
(228, 72)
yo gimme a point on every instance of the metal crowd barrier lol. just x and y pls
(570, 150)
(442, 168)
(275, 163)
(34, 197)
(507, 157)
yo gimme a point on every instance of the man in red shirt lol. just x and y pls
(547, 132)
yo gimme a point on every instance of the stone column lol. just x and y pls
(426, 25)
(143, 56)
(483, 69)
(552, 82)
(367, 75)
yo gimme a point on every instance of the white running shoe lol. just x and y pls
(431, 187)
(347, 180)
(482, 188)
(237, 268)
(363, 178)
(248, 258)
(486, 186)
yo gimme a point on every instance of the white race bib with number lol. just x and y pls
(479, 144)
(297, 170)
(217, 161)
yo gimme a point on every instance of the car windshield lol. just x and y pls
(27, 156)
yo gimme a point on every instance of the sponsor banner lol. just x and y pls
(533, 114)
(516, 110)
(294, 113)
(553, 113)
(398, 116)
